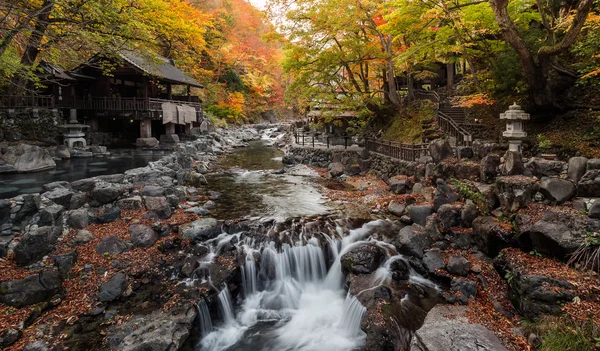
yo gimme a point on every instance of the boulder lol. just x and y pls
(78, 219)
(85, 185)
(395, 208)
(515, 192)
(31, 290)
(412, 241)
(9, 337)
(489, 168)
(440, 149)
(65, 262)
(131, 203)
(557, 190)
(83, 236)
(152, 190)
(200, 229)
(589, 185)
(146, 142)
(577, 168)
(458, 265)
(106, 194)
(111, 245)
(78, 200)
(399, 186)
(113, 288)
(447, 328)
(449, 215)
(513, 163)
(363, 259)
(335, 169)
(28, 158)
(195, 179)
(443, 194)
(432, 261)
(461, 290)
(36, 346)
(469, 213)
(60, 196)
(35, 244)
(61, 184)
(539, 167)
(158, 205)
(142, 235)
(157, 331)
(552, 238)
(111, 215)
(4, 211)
(419, 213)
(489, 236)
(595, 210)
(62, 151)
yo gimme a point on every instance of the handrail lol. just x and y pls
(448, 125)
(44, 101)
(394, 149)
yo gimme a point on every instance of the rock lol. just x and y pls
(557, 190)
(395, 208)
(593, 163)
(78, 200)
(158, 205)
(335, 169)
(589, 185)
(113, 288)
(419, 213)
(446, 328)
(152, 190)
(513, 163)
(4, 211)
(65, 262)
(489, 168)
(412, 241)
(34, 245)
(9, 337)
(111, 245)
(449, 215)
(577, 168)
(468, 214)
(200, 211)
(85, 185)
(552, 238)
(106, 194)
(458, 265)
(201, 229)
(539, 167)
(465, 288)
(515, 192)
(443, 194)
(36, 346)
(465, 152)
(432, 261)
(146, 142)
(363, 259)
(62, 151)
(399, 186)
(595, 210)
(111, 215)
(78, 219)
(83, 236)
(60, 196)
(28, 158)
(440, 149)
(489, 235)
(31, 290)
(189, 266)
(61, 184)
(209, 205)
(142, 235)
(131, 203)
(157, 331)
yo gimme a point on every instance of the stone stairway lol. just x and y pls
(456, 113)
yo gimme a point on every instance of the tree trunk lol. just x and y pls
(450, 78)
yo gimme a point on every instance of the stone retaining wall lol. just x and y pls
(30, 124)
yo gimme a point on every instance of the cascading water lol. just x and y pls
(204, 318)
(291, 301)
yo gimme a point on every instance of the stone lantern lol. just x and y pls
(514, 132)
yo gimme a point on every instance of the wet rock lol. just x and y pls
(113, 288)
(458, 265)
(419, 213)
(469, 213)
(557, 190)
(146, 142)
(489, 236)
(449, 215)
(515, 192)
(363, 259)
(432, 261)
(539, 167)
(589, 185)
(131, 203)
(31, 290)
(158, 205)
(400, 270)
(85, 185)
(106, 194)
(595, 210)
(61, 184)
(489, 168)
(157, 331)
(35, 244)
(111, 245)
(201, 229)
(78, 219)
(28, 158)
(195, 179)
(83, 236)
(142, 235)
(440, 149)
(412, 241)
(36, 346)
(335, 169)
(111, 215)
(577, 168)
(447, 328)
(190, 264)
(395, 208)
(65, 262)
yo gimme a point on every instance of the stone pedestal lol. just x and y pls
(145, 129)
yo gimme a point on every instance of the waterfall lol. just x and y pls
(226, 307)
(204, 318)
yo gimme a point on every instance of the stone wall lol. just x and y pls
(30, 124)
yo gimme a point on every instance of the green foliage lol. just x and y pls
(543, 141)
(587, 255)
(561, 333)
(535, 253)
(467, 191)
(509, 276)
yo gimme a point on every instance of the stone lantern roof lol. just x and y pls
(514, 112)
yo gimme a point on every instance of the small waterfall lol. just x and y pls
(226, 307)
(204, 318)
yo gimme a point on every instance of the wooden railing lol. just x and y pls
(447, 124)
(124, 104)
(430, 95)
(402, 151)
(41, 101)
